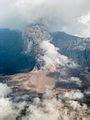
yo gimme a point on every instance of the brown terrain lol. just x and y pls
(37, 80)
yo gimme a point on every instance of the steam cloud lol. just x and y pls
(48, 57)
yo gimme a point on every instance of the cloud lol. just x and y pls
(85, 21)
(56, 14)
(48, 108)
(76, 80)
(4, 90)
(74, 95)
(7, 110)
(53, 109)
(51, 55)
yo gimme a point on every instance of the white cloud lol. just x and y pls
(51, 55)
(76, 80)
(85, 21)
(4, 90)
(74, 95)
(53, 109)
(57, 14)
(7, 111)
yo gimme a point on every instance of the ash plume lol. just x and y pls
(38, 39)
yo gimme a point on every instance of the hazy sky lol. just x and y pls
(71, 16)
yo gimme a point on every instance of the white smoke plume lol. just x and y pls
(48, 57)
(52, 57)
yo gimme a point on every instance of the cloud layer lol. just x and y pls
(56, 14)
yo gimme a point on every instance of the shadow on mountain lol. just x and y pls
(12, 58)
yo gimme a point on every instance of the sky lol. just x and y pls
(71, 16)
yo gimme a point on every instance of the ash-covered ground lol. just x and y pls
(56, 89)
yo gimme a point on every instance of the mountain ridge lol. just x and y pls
(12, 43)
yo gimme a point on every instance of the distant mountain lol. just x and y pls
(13, 60)
(75, 47)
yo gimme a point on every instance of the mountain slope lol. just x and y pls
(13, 60)
(75, 47)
